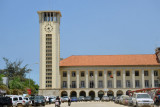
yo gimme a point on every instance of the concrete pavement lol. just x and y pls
(89, 104)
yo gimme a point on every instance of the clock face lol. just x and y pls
(48, 28)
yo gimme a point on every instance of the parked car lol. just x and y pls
(47, 99)
(39, 100)
(5, 101)
(121, 98)
(111, 98)
(125, 100)
(74, 99)
(105, 98)
(96, 99)
(117, 99)
(14, 101)
(27, 101)
(81, 98)
(130, 101)
(65, 98)
(142, 99)
(88, 98)
(32, 100)
(21, 102)
(52, 100)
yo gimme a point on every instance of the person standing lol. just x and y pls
(69, 101)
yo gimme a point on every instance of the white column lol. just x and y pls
(114, 78)
(133, 79)
(86, 78)
(124, 79)
(143, 79)
(152, 78)
(96, 82)
(68, 79)
(77, 73)
(105, 79)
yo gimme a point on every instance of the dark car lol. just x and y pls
(88, 98)
(5, 101)
(39, 100)
(32, 100)
(74, 99)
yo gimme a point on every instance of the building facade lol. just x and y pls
(90, 75)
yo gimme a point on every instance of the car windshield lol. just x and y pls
(73, 97)
(105, 96)
(65, 97)
(38, 97)
(26, 98)
(143, 96)
(31, 98)
(130, 98)
(15, 99)
(81, 97)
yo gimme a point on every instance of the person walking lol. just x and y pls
(69, 101)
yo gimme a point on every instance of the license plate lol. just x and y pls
(146, 103)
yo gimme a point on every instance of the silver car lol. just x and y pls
(65, 98)
(105, 98)
(96, 99)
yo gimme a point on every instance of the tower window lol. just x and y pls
(48, 35)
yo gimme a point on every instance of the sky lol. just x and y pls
(88, 27)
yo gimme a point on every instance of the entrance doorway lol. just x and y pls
(82, 93)
(110, 93)
(92, 94)
(119, 93)
(73, 94)
(64, 93)
(100, 94)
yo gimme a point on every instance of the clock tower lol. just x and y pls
(49, 52)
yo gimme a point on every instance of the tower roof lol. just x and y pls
(55, 11)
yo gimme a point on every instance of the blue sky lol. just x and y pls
(88, 27)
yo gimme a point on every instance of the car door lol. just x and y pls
(134, 99)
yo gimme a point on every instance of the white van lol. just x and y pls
(142, 99)
(14, 101)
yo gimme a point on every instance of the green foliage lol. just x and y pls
(1, 80)
(13, 69)
(18, 83)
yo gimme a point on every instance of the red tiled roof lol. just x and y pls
(109, 60)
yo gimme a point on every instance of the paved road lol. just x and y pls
(89, 104)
